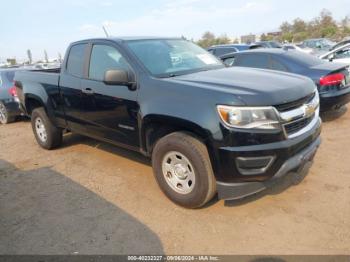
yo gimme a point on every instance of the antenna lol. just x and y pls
(105, 30)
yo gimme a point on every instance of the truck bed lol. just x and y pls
(43, 76)
(36, 82)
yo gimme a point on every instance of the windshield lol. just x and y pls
(327, 42)
(166, 58)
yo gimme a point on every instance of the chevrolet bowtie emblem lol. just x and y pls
(309, 110)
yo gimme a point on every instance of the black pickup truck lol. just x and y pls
(208, 129)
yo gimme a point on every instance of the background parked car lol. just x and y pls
(298, 48)
(341, 43)
(332, 79)
(9, 103)
(219, 50)
(339, 55)
(269, 44)
(319, 45)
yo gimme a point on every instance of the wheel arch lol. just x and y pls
(31, 102)
(155, 127)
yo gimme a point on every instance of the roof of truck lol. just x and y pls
(127, 38)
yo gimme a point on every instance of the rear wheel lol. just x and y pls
(47, 135)
(4, 115)
(183, 170)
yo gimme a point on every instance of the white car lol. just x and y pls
(339, 55)
(298, 48)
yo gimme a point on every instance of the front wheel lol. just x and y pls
(183, 170)
(47, 135)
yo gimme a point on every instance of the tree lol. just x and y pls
(288, 36)
(344, 28)
(208, 36)
(29, 54)
(208, 39)
(328, 26)
(299, 26)
(286, 27)
(323, 25)
(222, 40)
(263, 37)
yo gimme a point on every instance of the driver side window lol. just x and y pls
(103, 58)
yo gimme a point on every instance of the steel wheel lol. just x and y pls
(40, 129)
(3, 113)
(178, 172)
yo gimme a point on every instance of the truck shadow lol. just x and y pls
(279, 186)
(44, 212)
(71, 139)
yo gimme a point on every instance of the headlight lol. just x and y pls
(249, 117)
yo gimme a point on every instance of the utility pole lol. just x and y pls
(30, 58)
(59, 57)
(46, 57)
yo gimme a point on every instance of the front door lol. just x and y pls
(109, 111)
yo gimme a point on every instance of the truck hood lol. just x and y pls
(254, 87)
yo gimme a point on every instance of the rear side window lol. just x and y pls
(75, 63)
(253, 60)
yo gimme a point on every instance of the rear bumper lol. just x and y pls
(333, 100)
(230, 191)
(13, 107)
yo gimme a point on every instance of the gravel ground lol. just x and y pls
(89, 197)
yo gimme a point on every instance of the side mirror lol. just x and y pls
(117, 77)
(331, 57)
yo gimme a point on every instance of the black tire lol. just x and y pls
(4, 115)
(196, 152)
(53, 133)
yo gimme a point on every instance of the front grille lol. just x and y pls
(297, 125)
(294, 104)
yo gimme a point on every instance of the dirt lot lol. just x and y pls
(92, 198)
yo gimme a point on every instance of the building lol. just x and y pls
(248, 39)
(274, 34)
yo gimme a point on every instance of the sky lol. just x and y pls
(41, 25)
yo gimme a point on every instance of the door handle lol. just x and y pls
(88, 91)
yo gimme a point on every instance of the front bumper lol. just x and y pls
(288, 155)
(334, 100)
(230, 191)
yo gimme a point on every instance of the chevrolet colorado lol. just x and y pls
(208, 129)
